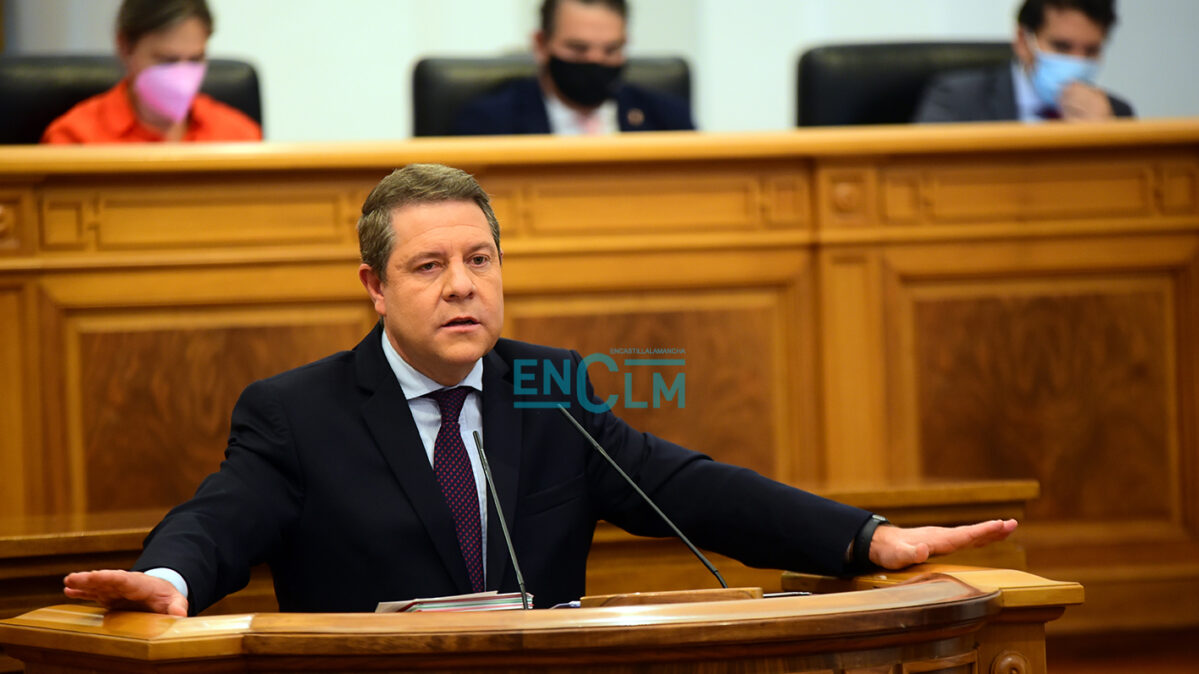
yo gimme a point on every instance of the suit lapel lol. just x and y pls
(1002, 101)
(531, 115)
(390, 422)
(501, 443)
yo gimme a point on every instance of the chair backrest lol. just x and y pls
(36, 90)
(880, 83)
(442, 85)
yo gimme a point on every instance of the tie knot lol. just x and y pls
(449, 401)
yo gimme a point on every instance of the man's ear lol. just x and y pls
(541, 50)
(1021, 48)
(374, 287)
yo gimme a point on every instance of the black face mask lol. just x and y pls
(587, 84)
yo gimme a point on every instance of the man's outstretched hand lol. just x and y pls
(126, 590)
(897, 547)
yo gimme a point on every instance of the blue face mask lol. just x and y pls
(1051, 72)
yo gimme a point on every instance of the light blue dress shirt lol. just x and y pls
(1028, 104)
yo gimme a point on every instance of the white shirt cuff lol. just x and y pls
(171, 576)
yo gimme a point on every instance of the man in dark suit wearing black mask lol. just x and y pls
(580, 52)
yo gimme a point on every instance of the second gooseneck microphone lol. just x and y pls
(643, 495)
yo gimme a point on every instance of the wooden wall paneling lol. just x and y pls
(853, 371)
(903, 395)
(1035, 194)
(1187, 324)
(620, 198)
(735, 311)
(48, 466)
(1177, 189)
(649, 198)
(800, 430)
(180, 211)
(1066, 381)
(1042, 188)
(725, 344)
(17, 220)
(69, 219)
(141, 360)
(1135, 598)
(1068, 362)
(13, 401)
(185, 284)
(153, 390)
(847, 193)
(787, 196)
(637, 263)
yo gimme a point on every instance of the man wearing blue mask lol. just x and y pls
(1058, 47)
(580, 53)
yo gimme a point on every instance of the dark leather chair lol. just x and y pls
(881, 83)
(36, 90)
(442, 85)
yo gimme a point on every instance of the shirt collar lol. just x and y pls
(1028, 104)
(117, 110)
(564, 120)
(416, 384)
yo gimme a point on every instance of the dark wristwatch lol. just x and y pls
(861, 542)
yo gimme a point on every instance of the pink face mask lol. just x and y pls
(168, 88)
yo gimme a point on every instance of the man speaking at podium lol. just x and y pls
(356, 478)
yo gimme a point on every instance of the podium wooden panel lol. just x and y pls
(936, 623)
(874, 306)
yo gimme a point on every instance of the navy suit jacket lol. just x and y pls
(518, 108)
(326, 479)
(980, 96)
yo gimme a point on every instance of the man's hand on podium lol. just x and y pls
(126, 590)
(897, 547)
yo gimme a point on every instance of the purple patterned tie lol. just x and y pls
(457, 480)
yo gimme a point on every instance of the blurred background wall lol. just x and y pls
(342, 70)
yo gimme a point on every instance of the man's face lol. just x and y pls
(583, 34)
(1065, 31)
(443, 301)
(184, 41)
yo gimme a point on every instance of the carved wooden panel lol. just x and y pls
(724, 350)
(66, 218)
(1023, 189)
(1041, 190)
(164, 214)
(621, 199)
(154, 400)
(847, 195)
(1073, 389)
(16, 219)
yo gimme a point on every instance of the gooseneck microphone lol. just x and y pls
(495, 500)
(643, 495)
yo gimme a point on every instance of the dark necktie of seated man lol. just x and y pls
(457, 481)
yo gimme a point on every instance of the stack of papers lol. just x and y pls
(479, 601)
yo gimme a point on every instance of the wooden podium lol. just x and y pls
(960, 620)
